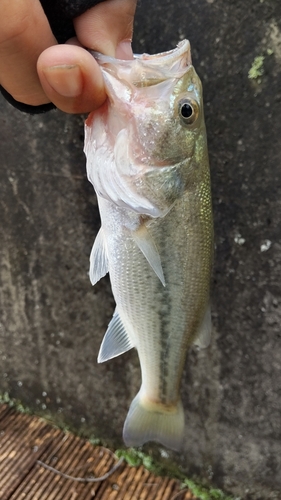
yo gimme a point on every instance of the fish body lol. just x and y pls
(147, 158)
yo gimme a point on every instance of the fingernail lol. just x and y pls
(66, 80)
(124, 50)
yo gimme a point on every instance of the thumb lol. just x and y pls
(108, 27)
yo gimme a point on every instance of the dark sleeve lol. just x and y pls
(60, 14)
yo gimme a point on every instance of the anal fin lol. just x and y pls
(204, 332)
(116, 340)
(147, 246)
(98, 259)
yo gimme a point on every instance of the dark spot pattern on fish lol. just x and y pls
(165, 313)
(165, 333)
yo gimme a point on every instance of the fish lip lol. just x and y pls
(172, 60)
(182, 47)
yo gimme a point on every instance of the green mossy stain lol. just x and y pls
(135, 458)
(256, 70)
(14, 403)
(205, 493)
(43, 414)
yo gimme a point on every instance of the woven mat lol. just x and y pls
(25, 439)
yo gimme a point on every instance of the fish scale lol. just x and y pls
(156, 237)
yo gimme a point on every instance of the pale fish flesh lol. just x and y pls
(147, 159)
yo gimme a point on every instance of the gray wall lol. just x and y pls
(52, 320)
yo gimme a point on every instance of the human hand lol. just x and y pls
(35, 69)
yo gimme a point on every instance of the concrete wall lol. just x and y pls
(52, 320)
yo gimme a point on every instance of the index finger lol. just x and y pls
(106, 26)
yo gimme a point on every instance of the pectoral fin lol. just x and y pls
(98, 259)
(116, 340)
(204, 333)
(146, 244)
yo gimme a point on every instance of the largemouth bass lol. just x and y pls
(147, 159)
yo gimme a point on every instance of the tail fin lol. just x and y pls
(152, 422)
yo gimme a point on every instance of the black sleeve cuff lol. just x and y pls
(26, 108)
(74, 8)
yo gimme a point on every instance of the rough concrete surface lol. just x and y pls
(52, 320)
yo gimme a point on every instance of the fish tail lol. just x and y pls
(154, 422)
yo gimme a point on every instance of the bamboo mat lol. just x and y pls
(25, 439)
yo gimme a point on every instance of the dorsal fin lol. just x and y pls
(98, 259)
(116, 340)
(147, 245)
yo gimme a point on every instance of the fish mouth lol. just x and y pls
(182, 48)
(149, 68)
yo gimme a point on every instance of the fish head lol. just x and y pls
(154, 126)
(167, 119)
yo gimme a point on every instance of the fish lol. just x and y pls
(147, 158)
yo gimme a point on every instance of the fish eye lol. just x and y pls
(188, 110)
